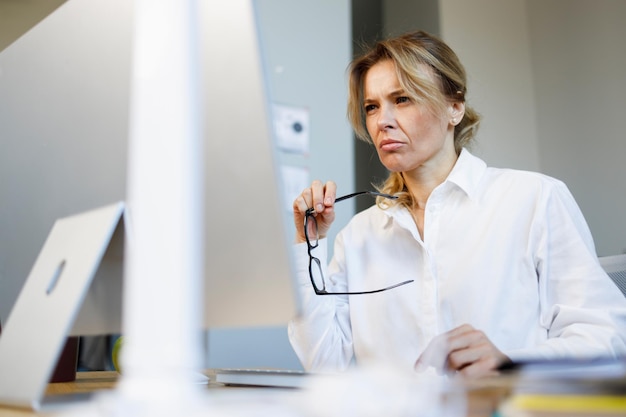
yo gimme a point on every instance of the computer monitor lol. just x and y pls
(64, 126)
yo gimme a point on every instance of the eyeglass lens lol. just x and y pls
(317, 277)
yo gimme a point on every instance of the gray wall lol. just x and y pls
(549, 79)
(491, 38)
(579, 70)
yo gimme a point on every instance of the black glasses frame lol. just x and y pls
(315, 262)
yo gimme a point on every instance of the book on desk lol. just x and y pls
(595, 387)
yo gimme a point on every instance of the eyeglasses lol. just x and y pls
(315, 265)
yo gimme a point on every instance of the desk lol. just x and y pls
(484, 396)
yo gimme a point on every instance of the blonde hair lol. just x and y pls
(408, 52)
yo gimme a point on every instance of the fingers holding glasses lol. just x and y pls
(321, 197)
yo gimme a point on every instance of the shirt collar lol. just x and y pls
(467, 172)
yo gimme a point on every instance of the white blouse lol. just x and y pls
(506, 251)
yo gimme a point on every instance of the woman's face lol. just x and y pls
(408, 136)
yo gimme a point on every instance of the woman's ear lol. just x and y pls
(457, 111)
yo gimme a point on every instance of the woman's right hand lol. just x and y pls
(321, 197)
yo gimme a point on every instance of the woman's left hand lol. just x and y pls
(464, 350)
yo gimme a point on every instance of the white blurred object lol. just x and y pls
(433, 359)
(295, 179)
(378, 390)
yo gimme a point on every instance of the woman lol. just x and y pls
(501, 263)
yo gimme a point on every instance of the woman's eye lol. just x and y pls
(369, 108)
(403, 100)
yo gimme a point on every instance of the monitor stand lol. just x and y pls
(48, 304)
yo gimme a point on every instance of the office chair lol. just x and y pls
(615, 266)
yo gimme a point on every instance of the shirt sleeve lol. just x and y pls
(582, 310)
(321, 336)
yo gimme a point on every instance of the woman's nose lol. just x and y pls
(386, 119)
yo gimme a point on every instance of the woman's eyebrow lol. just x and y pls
(394, 93)
(398, 92)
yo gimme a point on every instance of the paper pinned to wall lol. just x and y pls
(292, 125)
(295, 179)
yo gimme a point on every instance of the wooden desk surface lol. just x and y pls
(483, 398)
(85, 382)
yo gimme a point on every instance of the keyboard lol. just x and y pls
(262, 377)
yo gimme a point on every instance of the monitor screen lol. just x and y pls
(64, 126)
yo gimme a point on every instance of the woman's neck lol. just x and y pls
(423, 180)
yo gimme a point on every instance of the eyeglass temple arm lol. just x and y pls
(372, 193)
(324, 292)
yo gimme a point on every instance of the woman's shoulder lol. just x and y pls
(523, 186)
(530, 179)
(476, 176)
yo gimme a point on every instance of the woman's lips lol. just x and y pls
(389, 145)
